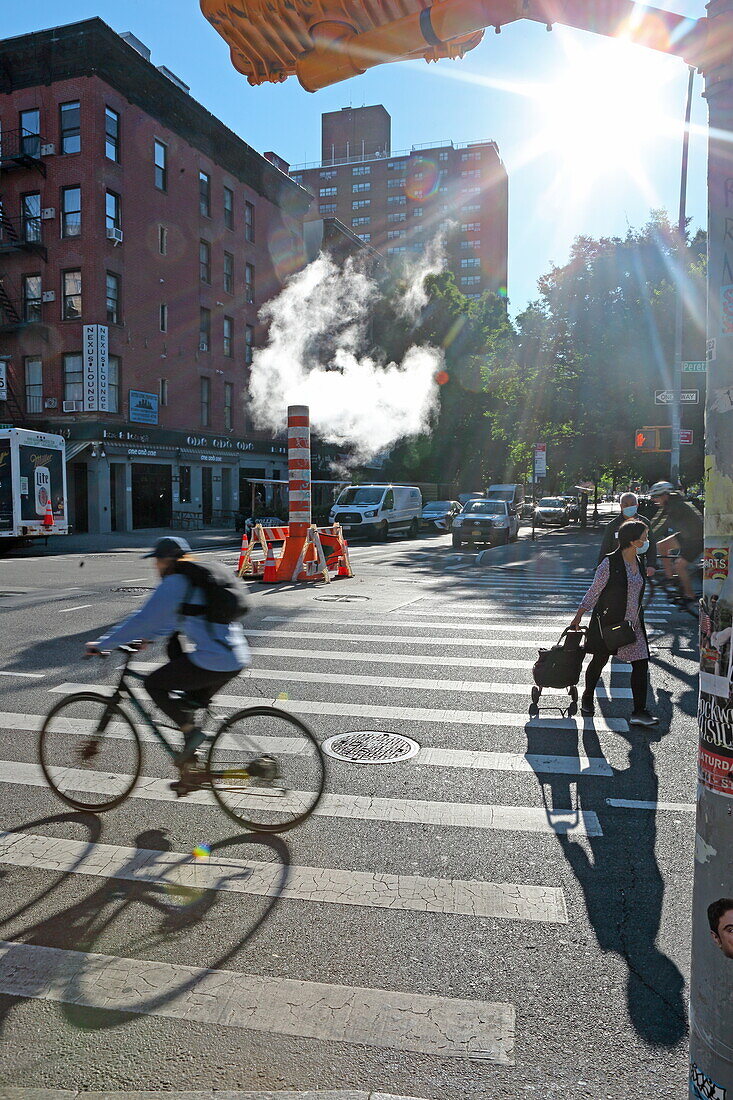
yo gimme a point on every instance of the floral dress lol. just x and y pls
(638, 650)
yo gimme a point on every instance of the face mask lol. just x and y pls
(643, 548)
(630, 511)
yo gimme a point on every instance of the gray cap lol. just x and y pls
(169, 547)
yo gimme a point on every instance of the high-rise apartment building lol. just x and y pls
(398, 202)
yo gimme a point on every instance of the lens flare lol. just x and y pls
(287, 252)
(422, 178)
(201, 851)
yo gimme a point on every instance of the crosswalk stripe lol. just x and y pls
(331, 885)
(403, 811)
(428, 1024)
(405, 639)
(402, 714)
(547, 625)
(635, 804)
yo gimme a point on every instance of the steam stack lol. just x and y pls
(299, 486)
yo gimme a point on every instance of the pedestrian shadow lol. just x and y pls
(620, 878)
(179, 908)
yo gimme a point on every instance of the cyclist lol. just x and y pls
(677, 515)
(219, 651)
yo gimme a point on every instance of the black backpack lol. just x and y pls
(225, 595)
(560, 666)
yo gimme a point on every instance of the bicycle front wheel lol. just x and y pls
(89, 752)
(267, 770)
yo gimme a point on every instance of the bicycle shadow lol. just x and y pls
(146, 879)
(621, 880)
(61, 651)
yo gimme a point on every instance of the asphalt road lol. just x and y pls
(507, 914)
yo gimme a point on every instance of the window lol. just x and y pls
(70, 127)
(73, 377)
(184, 483)
(470, 280)
(228, 208)
(113, 384)
(474, 244)
(391, 184)
(228, 399)
(30, 215)
(418, 175)
(70, 211)
(471, 174)
(361, 204)
(397, 200)
(30, 132)
(394, 234)
(111, 135)
(249, 283)
(228, 337)
(389, 500)
(205, 194)
(471, 227)
(443, 156)
(361, 170)
(249, 222)
(417, 246)
(31, 298)
(327, 208)
(366, 237)
(205, 402)
(204, 329)
(357, 187)
(392, 218)
(473, 208)
(163, 316)
(396, 251)
(33, 384)
(470, 156)
(71, 296)
(360, 221)
(163, 240)
(395, 165)
(163, 391)
(472, 261)
(327, 192)
(297, 177)
(204, 261)
(113, 298)
(112, 210)
(417, 211)
(160, 161)
(330, 175)
(467, 190)
(228, 273)
(249, 343)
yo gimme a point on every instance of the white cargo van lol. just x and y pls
(512, 493)
(379, 510)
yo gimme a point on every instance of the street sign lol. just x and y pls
(540, 460)
(695, 366)
(686, 436)
(666, 397)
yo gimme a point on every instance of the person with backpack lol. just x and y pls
(204, 602)
(617, 620)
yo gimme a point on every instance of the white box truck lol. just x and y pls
(32, 475)
(378, 510)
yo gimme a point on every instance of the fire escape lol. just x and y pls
(19, 151)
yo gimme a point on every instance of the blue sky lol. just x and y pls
(590, 130)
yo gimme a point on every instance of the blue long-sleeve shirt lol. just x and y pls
(219, 647)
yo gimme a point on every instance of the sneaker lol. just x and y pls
(191, 742)
(587, 706)
(643, 718)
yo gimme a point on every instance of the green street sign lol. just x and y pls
(695, 367)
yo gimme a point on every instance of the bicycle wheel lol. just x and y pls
(89, 752)
(267, 770)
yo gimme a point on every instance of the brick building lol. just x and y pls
(138, 239)
(397, 202)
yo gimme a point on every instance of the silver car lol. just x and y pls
(439, 514)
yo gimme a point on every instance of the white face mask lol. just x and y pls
(643, 548)
(630, 510)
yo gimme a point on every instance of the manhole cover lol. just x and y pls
(343, 597)
(370, 747)
(133, 591)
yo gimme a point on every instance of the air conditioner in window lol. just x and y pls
(72, 406)
(50, 403)
(48, 150)
(114, 234)
(48, 296)
(203, 345)
(48, 213)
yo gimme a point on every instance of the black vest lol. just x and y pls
(611, 606)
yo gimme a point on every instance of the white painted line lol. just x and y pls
(81, 607)
(329, 885)
(402, 639)
(633, 804)
(336, 655)
(403, 811)
(401, 714)
(438, 1026)
(26, 675)
(546, 626)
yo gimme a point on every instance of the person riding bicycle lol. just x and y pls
(677, 515)
(219, 653)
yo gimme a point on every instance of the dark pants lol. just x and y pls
(639, 678)
(181, 674)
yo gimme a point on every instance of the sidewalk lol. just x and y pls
(130, 542)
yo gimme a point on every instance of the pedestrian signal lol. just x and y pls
(656, 439)
(646, 439)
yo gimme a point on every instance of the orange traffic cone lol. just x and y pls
(344, 569)
(48, 518)
(270, 574)
(245, 546)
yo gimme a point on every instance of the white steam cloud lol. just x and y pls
(318, 324)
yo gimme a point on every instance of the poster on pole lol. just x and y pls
(540, 460)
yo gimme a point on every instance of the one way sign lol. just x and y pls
(666, 397)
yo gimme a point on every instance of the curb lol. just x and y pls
(204, 1094)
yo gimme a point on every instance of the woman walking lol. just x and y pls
(615, 600)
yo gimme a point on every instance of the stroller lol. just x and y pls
(559, 667)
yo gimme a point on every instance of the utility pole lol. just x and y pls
(711, 980)
(679, 307)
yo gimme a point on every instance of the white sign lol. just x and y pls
(540, 460)
(694, 367)
(96, 368)
(711, 351)
(43, 489)
(666, 397)
(3, 380)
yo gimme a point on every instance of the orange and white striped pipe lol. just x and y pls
(299, 469)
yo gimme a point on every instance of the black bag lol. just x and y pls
(560, 667)
(617, 635)
(224, 592)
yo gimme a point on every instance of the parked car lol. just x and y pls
(552, 510)
(378, 510)
(485, 521)
(463, 498)
(440, 514)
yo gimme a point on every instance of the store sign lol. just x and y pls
(95, 357)
(143, 407)
(3, 379)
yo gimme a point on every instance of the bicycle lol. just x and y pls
(671, 588)
(90, 751)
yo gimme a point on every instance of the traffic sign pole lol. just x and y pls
(674, 458)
